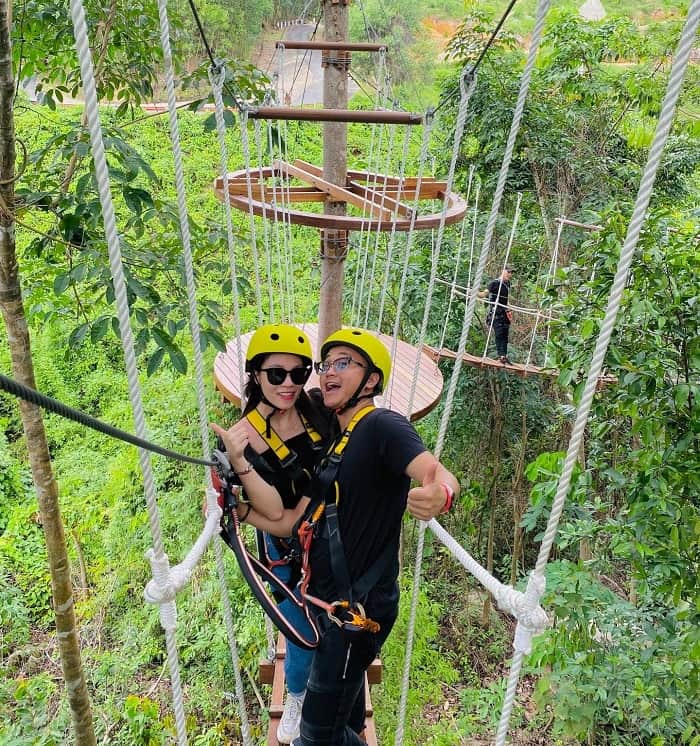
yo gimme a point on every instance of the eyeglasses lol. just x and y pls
(339, 365)
(277, 376)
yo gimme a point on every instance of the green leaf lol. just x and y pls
(154, 361)
(61, 282)
(178, 360)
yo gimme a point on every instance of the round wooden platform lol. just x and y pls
(227, 375)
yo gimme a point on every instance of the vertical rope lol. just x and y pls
(359, 276)
(467, 88)
(265, 221)
(646, 186)
(245, 143)
(392, 236)
(427, 129)
(217, 78)
(168, 612)
(184, 230)
(472, 296)
(378, 234)
(550, 274)
(453, 284)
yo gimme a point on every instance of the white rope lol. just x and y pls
(663, 128)
(265, 222)
(245, 144)
(378, 233)
(458, 259)
(277, 229)
(392, 235)
(179, 575)
(217, 78)
(287, 224)
(467, 90)
(518, 604)
(550, 274)
(359, 275)
(427, 129)
(470, 306)
(370, 280)
(169, 613)
(185, 232)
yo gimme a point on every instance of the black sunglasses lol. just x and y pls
(277, 376)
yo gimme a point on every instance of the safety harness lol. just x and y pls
(348, 611)
(288, 462)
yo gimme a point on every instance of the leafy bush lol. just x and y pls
(617, 674)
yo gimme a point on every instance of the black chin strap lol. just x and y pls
(355, 398)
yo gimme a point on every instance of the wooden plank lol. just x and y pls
(339, 194)
(265, 193)
(519, 369)
(428, 388)
(278, 692)
(366, 192)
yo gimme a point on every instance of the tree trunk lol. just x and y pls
(13, 314)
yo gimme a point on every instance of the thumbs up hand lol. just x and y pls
(428, 500)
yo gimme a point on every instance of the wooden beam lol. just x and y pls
(335, 115)
(337, 193)
(383, 199)
(331, 45)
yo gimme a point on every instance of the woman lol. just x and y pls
(274, 449)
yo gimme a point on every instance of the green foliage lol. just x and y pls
(131, 33)
(430, 671)
(617, 673)
(142, 716)
(25, 712)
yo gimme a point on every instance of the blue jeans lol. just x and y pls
(297, 661)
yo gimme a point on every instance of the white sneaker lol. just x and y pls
(288, 728)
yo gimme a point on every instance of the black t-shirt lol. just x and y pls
(498, 294)
(373, 490)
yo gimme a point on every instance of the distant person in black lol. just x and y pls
(498, 313)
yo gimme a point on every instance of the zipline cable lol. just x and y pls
(481, 56)
(11, 386)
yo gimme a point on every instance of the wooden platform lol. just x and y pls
(517, 368)
(272, 672)
(227, 375)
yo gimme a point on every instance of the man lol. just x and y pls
(498, 315)
(361, 492)
(383, 454)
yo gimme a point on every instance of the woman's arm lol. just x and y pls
(264, 497)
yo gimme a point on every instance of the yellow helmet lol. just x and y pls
(283, 338)
(367, 344)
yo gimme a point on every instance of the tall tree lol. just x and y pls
(42, 473)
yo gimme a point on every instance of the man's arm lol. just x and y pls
(282, 527)
(436, 482)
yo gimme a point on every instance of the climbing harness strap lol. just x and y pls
(289, 462)
(285, 456)
(253, 570)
